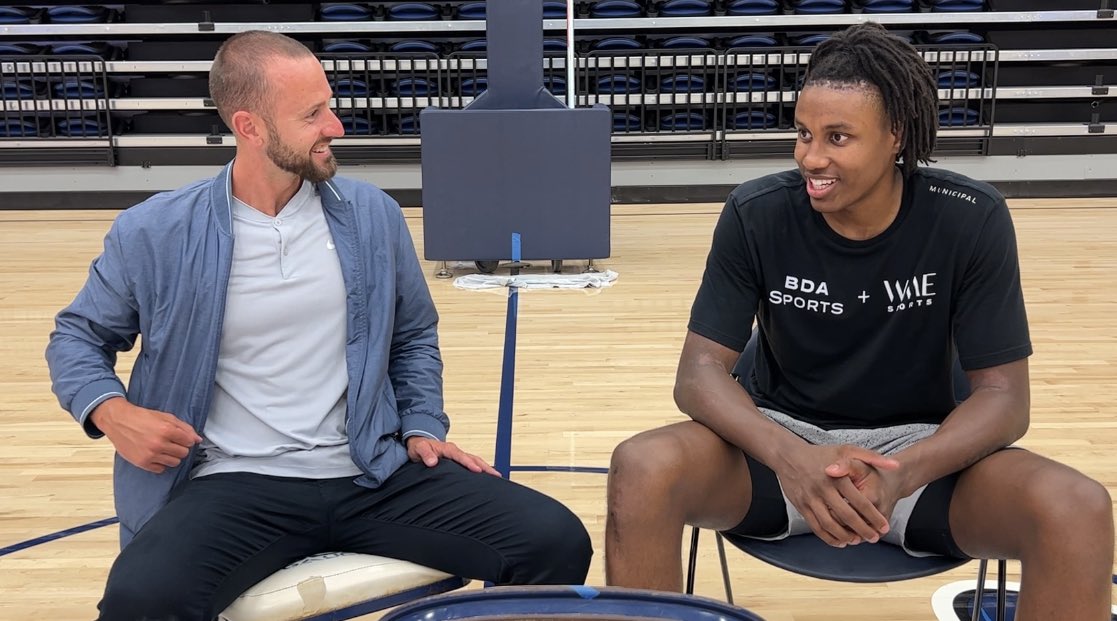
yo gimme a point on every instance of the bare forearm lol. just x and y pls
(988, 421)
(712, 397)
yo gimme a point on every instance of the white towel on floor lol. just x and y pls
(589, 280)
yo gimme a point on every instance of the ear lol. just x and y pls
(248, 127)
(897, 142)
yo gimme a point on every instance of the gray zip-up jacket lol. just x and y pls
(163, 274)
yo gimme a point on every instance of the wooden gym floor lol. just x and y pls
(593, 369)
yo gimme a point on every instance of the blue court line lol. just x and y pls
(23, 545)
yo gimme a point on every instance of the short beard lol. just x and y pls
(291, 161)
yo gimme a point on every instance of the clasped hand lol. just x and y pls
(845, 493)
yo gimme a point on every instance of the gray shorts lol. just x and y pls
(886, 441)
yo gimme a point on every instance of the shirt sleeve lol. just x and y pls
(729, 295)
(990, 323)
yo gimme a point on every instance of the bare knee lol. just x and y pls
(646, 468)
(1070, 509)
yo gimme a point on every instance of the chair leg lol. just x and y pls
(693, 561)
(1002, 595)
(725, 569)
(979, 592)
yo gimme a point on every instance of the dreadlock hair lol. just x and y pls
(866, 55)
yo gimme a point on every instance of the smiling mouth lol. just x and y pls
(320, 149)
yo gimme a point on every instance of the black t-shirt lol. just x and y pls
(864, 333)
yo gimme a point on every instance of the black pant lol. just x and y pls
(223, 533)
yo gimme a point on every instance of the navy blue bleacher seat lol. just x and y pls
(13, 89)
(472, 87)
(752, 119)
(619, 84)
(617, 44)
(809, 39)
(19, 128)
(104, 50)
(358, 124)
(556, 84)
(472, 10)
(750, 81)
(346, 47)
(686, 42)
(413, 12)
(408, 125)
(955, 36)
(888, 6)
(79, 14)
(346, 13)
(686, 8)
(753, 7)
(414, 45)
(819, 7)
(627, 122)
(958, 116)
(19, 49)
(414, 87)
(957, 6)
(683, 121)
(350, 87)
(554, 45)
(682, 83)
(76, 88)
(759, 39)
(554, 10)
(14, 15)
(616, 9)
(81, 127)
(476, 45)
(958, 78)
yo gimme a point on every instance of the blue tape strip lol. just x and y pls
(515, 246)
(586, 592)
(23, 545)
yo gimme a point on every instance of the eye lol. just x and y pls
(839, 139)
(804, 135)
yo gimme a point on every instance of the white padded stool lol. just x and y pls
(337, 585)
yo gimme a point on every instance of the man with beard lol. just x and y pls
(287, 398)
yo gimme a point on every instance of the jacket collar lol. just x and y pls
(221, 197)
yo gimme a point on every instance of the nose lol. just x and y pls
(334, 129)
(811, 155)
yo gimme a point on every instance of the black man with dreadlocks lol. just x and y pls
(867, 276)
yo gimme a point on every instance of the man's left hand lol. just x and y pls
(429, 451)
(882, 486)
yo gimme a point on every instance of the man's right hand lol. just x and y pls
(834, 508)
(147, 439)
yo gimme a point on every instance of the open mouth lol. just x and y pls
(819, 188)
(322, 149)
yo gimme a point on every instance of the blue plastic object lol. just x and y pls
(413, 12)
(753, 7)
(554, 10)
(346, 87)
(615, 9)
(957, 36)
(472, 87)
(414, 87)
(83, 127)
(958, 78)
(618, 44)
(752, 81)
(683, 121)
(346, 47)
(619, 84)
(18, 128)
(346, 13)
(16, 89)
(414, 45)
(472, 11)
(10, 15)
(958, 116)
(753, 40)
(78, 14)
(686, 8)
(686, 43)
(958, 6)
(753, 119)
(820, 7)
(627, 122)
(554, 45)
(810, 40)
(74, 88)
(568, 602)
(476, 45)
(408, 125)
(357, 124)
(888, 6)
(682, 83)
(556, 84)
